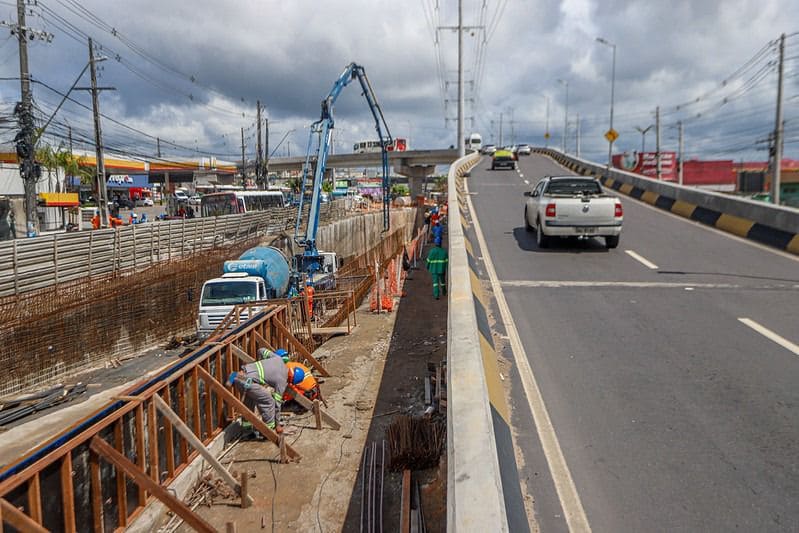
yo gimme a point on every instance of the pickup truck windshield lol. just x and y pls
(573, 187)
(229, 293)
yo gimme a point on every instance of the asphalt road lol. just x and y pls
(672, 414)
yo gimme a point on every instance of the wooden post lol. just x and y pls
(317, 411)
(302, 350)
(152, 436)
(67, 493)
(169, 438)
(122, 491)
(97, 493)
(283, 455)
(246, 501)
(230, 527)
(122, 464)
(195, 442)
(35, 499)
(140, 453)
(306, 403)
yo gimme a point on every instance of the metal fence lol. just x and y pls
(32, 264)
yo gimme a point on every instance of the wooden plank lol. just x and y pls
(17, 519)
(35, 499)
(122, 490)
(195, 403)
(241, 354)
(67, 494)
(152, 440)
(246, 500)
(302, 350)
(97, 493)
(140, 451)
(208, 408)
(169, 444)
(192, 439)
(405, 506)
(122, 464)
(317, 411)
(261, 340)
(184, 451)
(220, 406)
(307, 404)
(251, 417)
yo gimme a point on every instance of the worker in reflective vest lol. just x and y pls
(309, 292)
(437, 261)
(263, 384)
(308, 387)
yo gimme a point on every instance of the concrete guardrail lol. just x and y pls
(776, 226)
(475, 497)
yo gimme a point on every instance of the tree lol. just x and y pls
(72, 165)
(327, 187)
(399, 189)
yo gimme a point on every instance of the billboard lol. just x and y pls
(645, 163)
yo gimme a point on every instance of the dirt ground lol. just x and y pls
(377, 372)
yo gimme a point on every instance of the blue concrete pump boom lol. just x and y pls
(310, 261)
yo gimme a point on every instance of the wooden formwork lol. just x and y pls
(100, 473)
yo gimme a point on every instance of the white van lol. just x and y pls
(474, 142)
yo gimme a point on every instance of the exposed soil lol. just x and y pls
(378, 372)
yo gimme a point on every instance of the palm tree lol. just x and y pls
(72, 165)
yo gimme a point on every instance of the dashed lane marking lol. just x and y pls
(643, 260)
(574, 513)
(555, 284)
(782, 341)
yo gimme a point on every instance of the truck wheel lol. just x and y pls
(611, 241)
(527, 225)
(540, 239)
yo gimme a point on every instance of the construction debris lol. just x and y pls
(415, 443)
(15, 409)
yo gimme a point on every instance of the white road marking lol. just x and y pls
(782, 341)
(576, 519)
(643, 260)
(527, 182)
(554, 284)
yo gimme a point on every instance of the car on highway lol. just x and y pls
(488, 149)
(572, 206)
(503, 159)
(144, 202)
(524, 149)
(195, 199)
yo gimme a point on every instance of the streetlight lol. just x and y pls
(565, 114)
(610, 133)
(643, 135)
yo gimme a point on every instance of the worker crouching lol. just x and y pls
(263, 384)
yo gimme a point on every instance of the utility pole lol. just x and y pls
(512, 128)
(682, 149)
(243, 161)
(577, 143)
(461, 145)
(158, 147)
(565, 83)
(258, 153)
(778, 130)
(546, 134)
(25, 148)
(266, 149)
(500, 130)
(657, 142)
(102, 192)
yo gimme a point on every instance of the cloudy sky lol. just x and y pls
(190, 72)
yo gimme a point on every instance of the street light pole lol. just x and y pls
(643, 131)
(565, 115)
(612, 97)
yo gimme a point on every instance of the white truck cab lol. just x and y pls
(219, 295)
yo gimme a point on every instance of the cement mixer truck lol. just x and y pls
(259, 274)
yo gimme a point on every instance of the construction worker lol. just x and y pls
(437, 261)
(96, 220)
(438, 233)
(308, 387)
(263, 384)
(309, 292)
(266, 353)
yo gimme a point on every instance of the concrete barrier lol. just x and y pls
(475, 497)
(776, 226)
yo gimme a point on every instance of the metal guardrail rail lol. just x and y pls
(40, 262)
(475, 498)
(75, 481)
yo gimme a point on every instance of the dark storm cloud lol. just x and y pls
(287, 54)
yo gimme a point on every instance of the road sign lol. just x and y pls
(546, 135)
(611, 135)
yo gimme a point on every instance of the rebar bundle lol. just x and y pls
(415, 443)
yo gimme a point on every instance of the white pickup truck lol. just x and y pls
(572, 206)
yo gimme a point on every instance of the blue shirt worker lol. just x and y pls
(438, 233)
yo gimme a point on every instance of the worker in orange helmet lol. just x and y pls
(308, 387)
